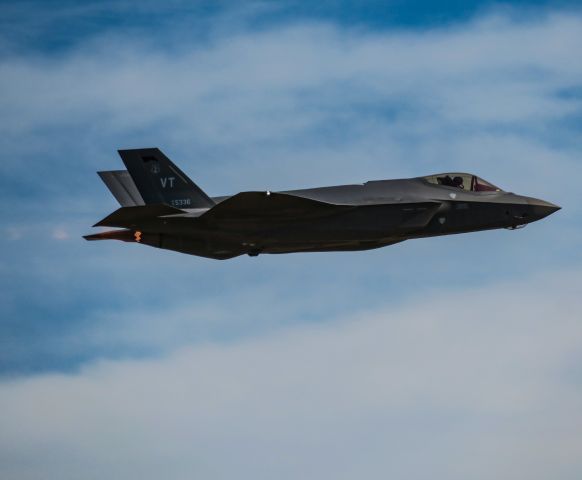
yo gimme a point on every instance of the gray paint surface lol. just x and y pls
(162, 207)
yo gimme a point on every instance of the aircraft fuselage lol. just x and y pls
(341, 218)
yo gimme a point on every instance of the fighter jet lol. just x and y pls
(162, 207)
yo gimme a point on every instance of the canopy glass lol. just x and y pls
(463, 181)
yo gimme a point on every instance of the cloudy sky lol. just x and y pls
(456, 357)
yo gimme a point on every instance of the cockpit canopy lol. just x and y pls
(463, 181)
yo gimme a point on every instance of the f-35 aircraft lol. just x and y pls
(162, 207)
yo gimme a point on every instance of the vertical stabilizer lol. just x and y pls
(121, 185)
(160, 181)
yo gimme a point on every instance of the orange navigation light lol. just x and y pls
(137, 236)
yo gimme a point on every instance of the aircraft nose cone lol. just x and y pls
(541, 208)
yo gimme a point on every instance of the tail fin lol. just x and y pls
(121, 185)
(160, 181)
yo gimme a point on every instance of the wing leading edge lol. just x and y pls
(269, 205)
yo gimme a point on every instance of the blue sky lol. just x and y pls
(444, 348)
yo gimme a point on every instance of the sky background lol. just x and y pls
(455, 357)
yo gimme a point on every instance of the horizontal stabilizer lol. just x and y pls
(132, 216)
(123, 235)
(120, 184)
(269, 204)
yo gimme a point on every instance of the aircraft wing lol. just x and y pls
(267, 207)
(270, 204)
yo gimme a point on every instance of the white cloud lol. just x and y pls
(13, 233)
(460, 385)
(60, 233)
(477, 384)
(284, 106)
